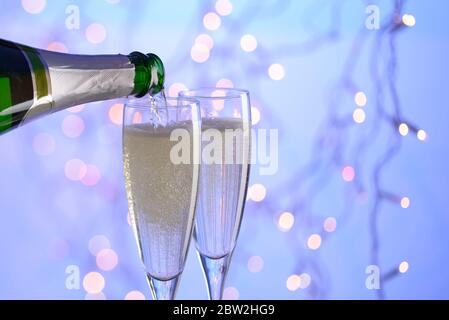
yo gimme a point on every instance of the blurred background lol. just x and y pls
(356, 90)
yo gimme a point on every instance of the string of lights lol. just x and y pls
(331, 147)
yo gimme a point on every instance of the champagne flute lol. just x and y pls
(226, 124)
(161, 187)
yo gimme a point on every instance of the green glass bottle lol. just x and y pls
(37, 82)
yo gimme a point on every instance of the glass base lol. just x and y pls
(163, 289)
(215, 271)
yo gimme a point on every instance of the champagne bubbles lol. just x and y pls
(44, 144)
(93, 282)
(34, 6)
(96, 33)
(135, 295)
(248, 43)
(231, 293)
(211, 21)
(276, 71)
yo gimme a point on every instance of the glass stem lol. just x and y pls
(215, 272)
(163, 289)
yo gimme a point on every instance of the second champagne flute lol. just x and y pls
(225, 163)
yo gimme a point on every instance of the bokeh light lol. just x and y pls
(293, 282)
(96, 33)
(330, 224)
(223, 7)
(206, 40)
(44, 144)
(360, 99)
(137, 117)
(255, 115)
(92, 175)
(98, 243)
(248, 43)
(176, 88)
(314, 241)
(116, 113)
(359, 115)
(403, 267)
(286, 221)
(409, 20)
(276, 71)
(107, 259)
(421, 135)
(93, 282)
(75, 169)
(211, 21)
(57, 47)
(199, 53)
(403, 129)
(225, 83)
(255, 264)
(135, 295)
(95, 296)
(257, 192)
(306, 280)
(231, 293)
(405, 202)
(348, 173)
(76, 109)
(34, 6)
(73, 126)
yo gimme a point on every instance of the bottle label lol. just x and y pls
(24, 84)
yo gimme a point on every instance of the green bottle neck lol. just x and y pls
(150, 74)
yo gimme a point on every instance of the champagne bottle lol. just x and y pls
(37, 82)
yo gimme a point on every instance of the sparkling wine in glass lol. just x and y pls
(162, 184)
(225, 166)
